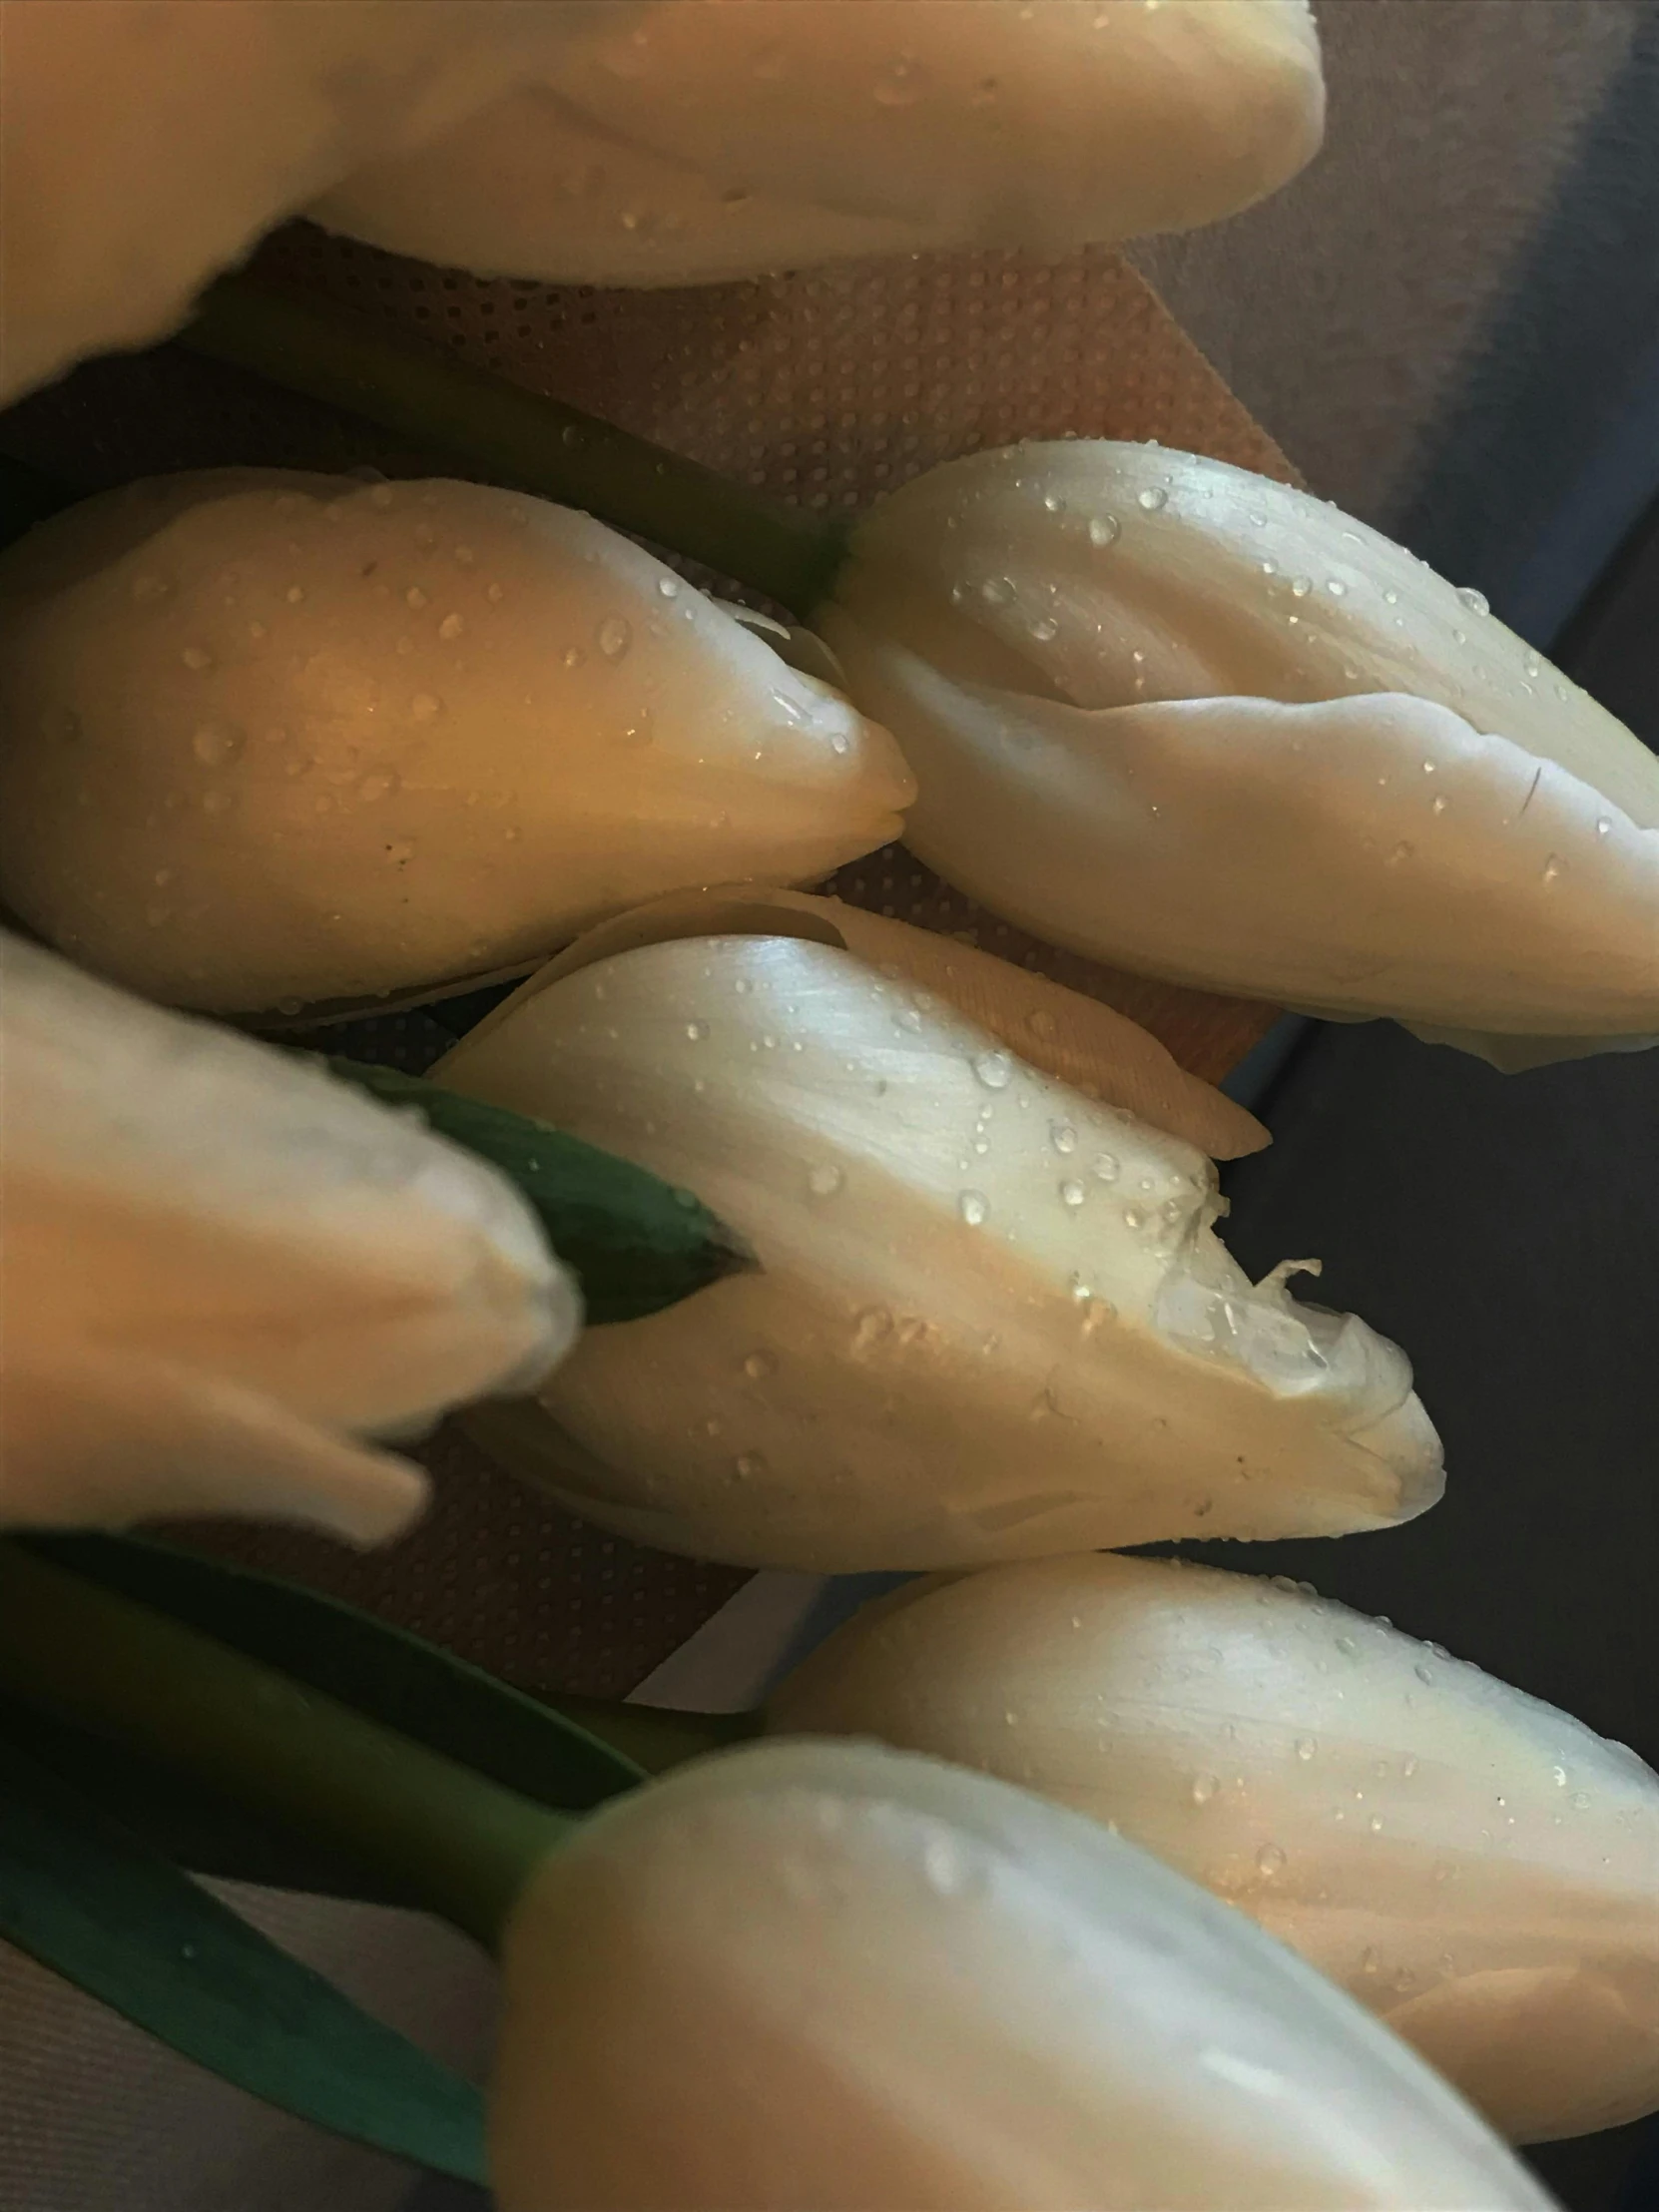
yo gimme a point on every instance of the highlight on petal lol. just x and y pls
(993, 1319)
(816, 1974)
(1191, 720)
(699, 142)
(278, 739)
(1475, 1865)
(220, 1266)
(1079, 1040)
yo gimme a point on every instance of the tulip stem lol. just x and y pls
(460, 1844)
(515, 437)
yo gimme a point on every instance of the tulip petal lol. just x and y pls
(1238, 740)
(274, 738)
(1352, 855)
(219, 1265)
(992, 1319)
(699, 142)
(1079, 1040)
(798, 1976)
(1475, 1865)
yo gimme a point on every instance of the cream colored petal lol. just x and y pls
(1475, 1865)
(706, 141)
(338, 739)
(992, 1319)
(219, 1265)
(808, 1975)
(1364, 856)
(1115, 574)
(1079, 1040)
(147, 146)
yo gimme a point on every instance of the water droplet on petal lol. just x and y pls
(995, 1069)
(1152, 498)
(996, 591)
(415, 597)
(1270, 1859)
(1552, 869)
(902, 83)
(1104, 1166)
(425, 706)
(1204, 1787)
(1306, 1747)
(216, 743)
(452, 627)
(1104, 530)
(1476, 601)
(1072, 1194)
(696, 1031)
(1062, 1136)
(974, 1207)
(1581, 1801)
(668, 587)
(759, 1366)
(824, 1179)
(1336, 587)
(614, 636)
(748, 1464)
(197, 657)
(1301, 586)
(378, 785)
(1046, 630)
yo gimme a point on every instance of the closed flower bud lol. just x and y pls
(1475, 1865)
(688, 141)
(809, 1977)
(220, 1267)
(278, 739)
(991, 1318)
(1194, 722)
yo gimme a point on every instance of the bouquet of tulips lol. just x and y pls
(748, 1223)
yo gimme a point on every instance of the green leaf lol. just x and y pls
(634, 1243)
(383, 1672)
(88, 1900)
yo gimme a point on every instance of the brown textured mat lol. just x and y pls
(831, 388)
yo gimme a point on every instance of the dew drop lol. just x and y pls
(696, 1031)
(452, 627)
(1369, 1959)
(1270, 1859)
(614, 636)
(1336, 587)
(1375, 1823)
(1301, 586)
(1104, 1166)
(668, 587)
(425, 706)
(415, 597)
(1581, 1801)
(759, 1366)
(995, 1069)
(1062, 1136)
(1552, 869)
(295, 595)
(974, 1207)
(1204, 1787)
(1104, 530)
(378, 786)
(1306, 1747)
(494, 594)
(996, 591)
(1072, 1194)
(1422, 1673)
(1476, 601)
(824, 1179)
(1046, 630)
(902, 83)
(1152, 499)
(1390, 598)
(197, 657)
(216, 743)
(748, 1464)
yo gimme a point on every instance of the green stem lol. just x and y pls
(463, 1845)
(515, 437)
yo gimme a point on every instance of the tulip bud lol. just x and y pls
(291, 739)
(991, 1318)
(219, 1265)
(1475, 1865)
(808, 1975)
(704, 143)
(1196, 723)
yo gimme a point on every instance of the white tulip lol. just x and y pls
(1471, 1863)
(1185, 718)
(219, 1266)
(147, 146)
(701, 142)
(991, 1318)
(274, 738)
(830, 1978)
